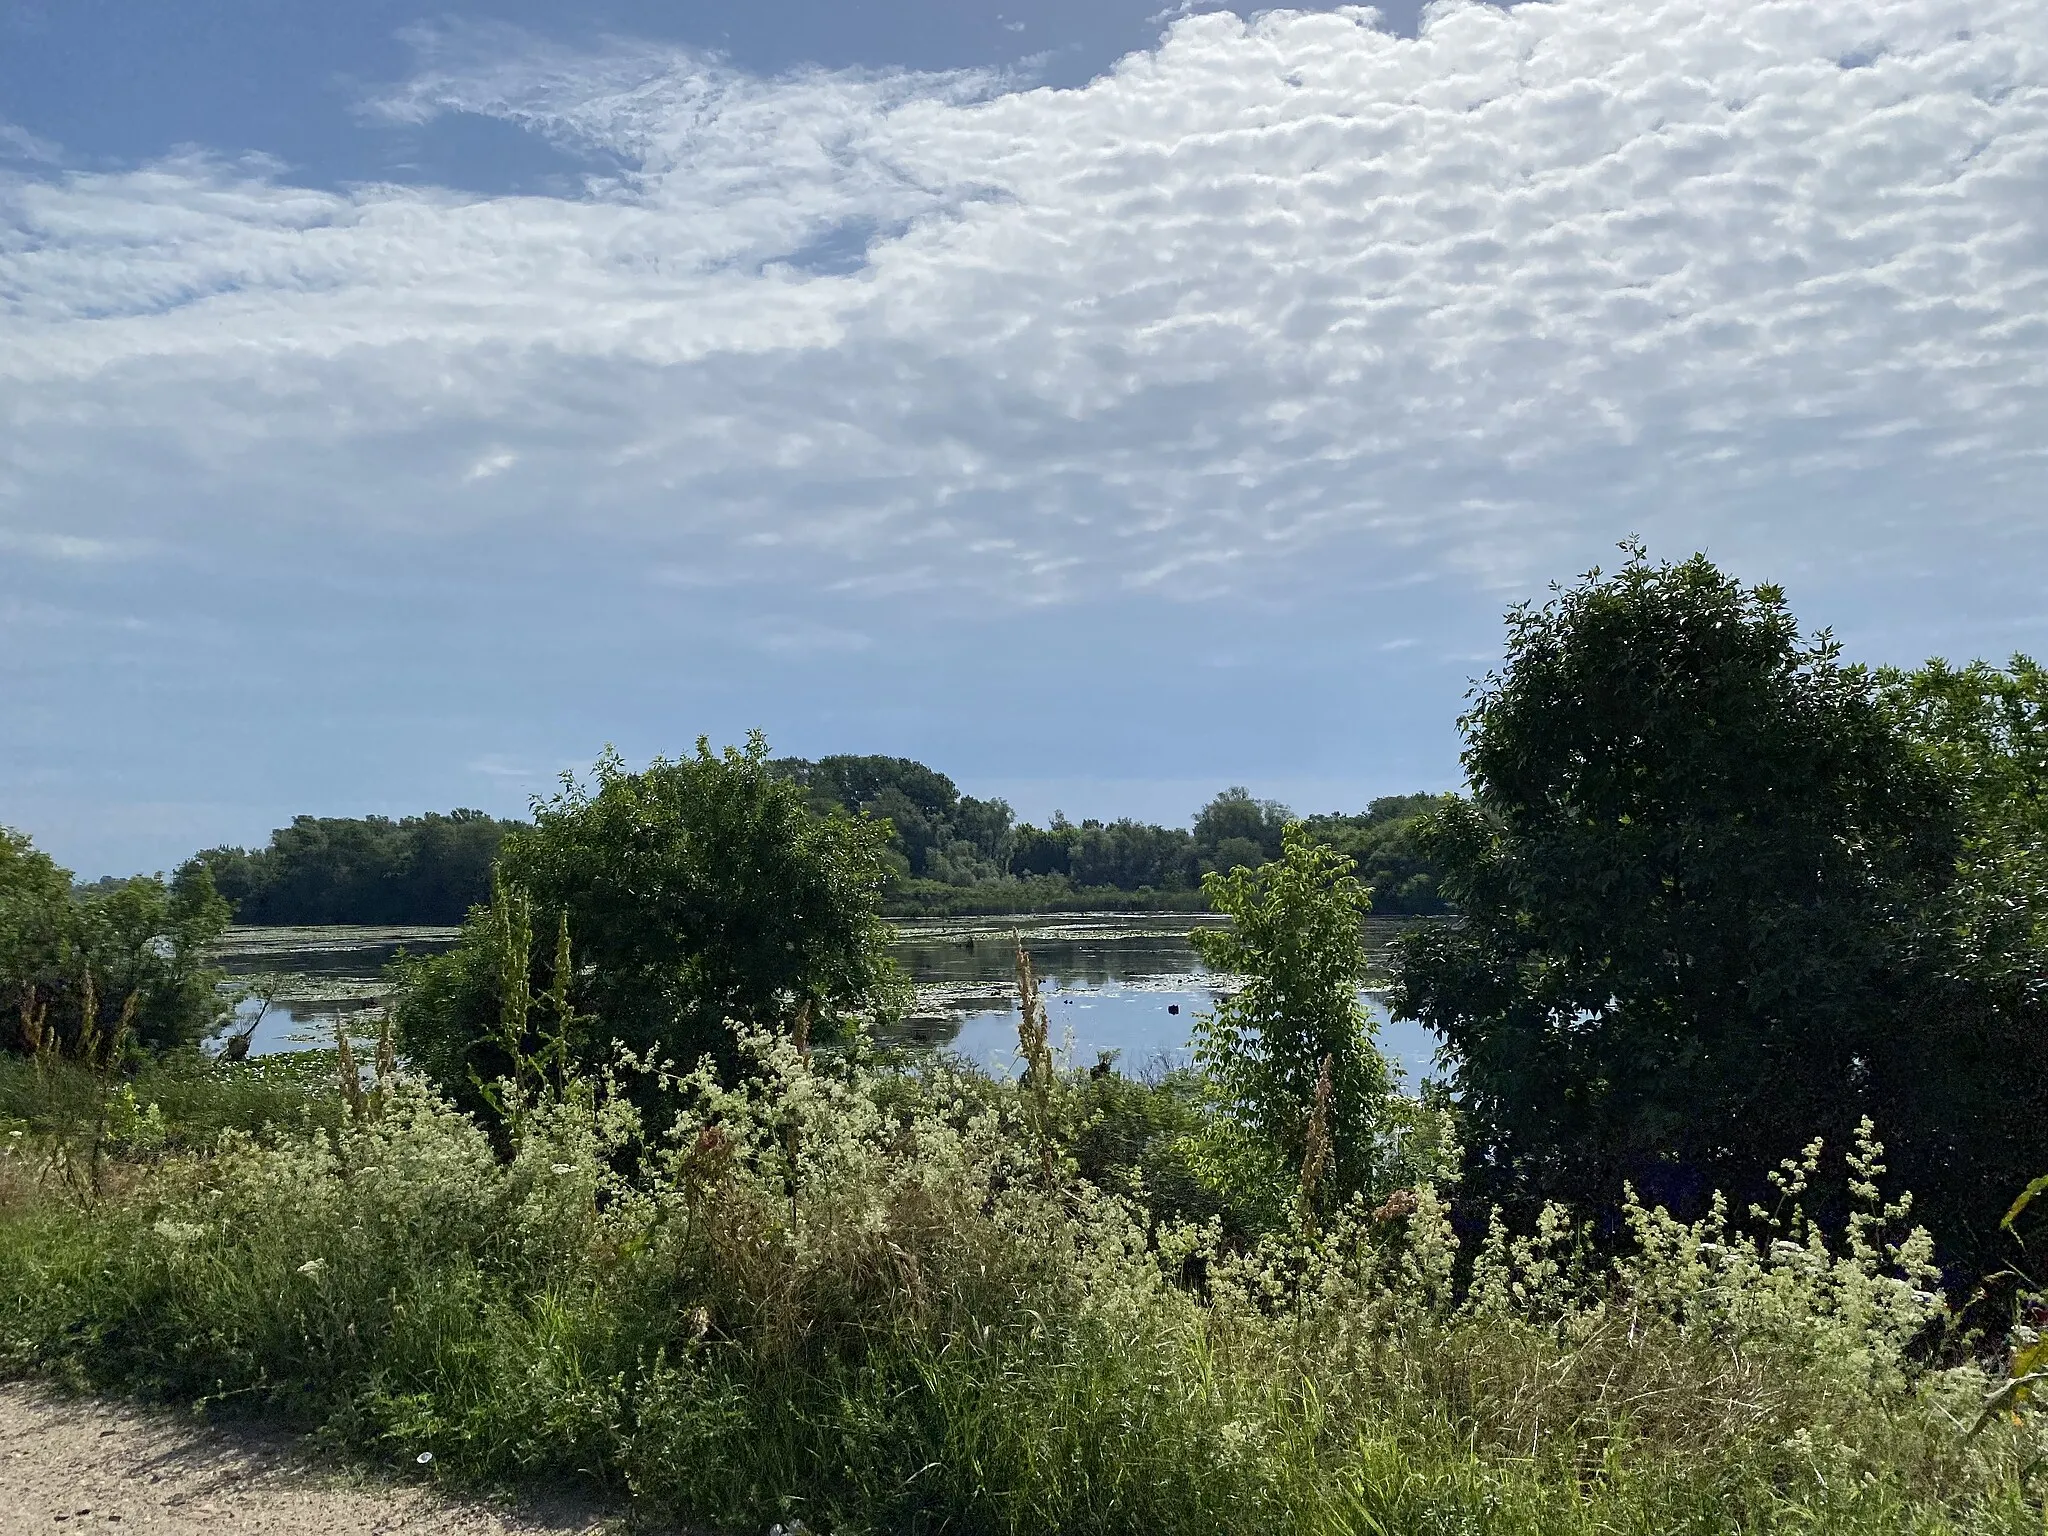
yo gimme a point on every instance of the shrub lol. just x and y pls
(1303, 1101)
(126, 959)
(695, 891)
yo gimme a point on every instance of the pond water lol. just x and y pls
(1130, 985)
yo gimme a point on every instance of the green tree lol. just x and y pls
(137, 948)
(1132, 855)
(1235, 829)
(1979, 1110)
(1044, 850)
(1294, 937)
(1695, 876)
(38, 927)
(939, 833)
(363, 869)
(696, 891)
(153, 942)
(1385, 846)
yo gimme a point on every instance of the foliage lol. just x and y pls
(1386, 850)
(2026, 1379)
(1981, 1103)
(947, 853)
(367, 869)
(848, 1296)
(1303, 1096)
(122, 958)
(697, 891)
(1695, 874)
(1235, 830)
(938, 833)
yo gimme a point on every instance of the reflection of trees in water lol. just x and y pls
(1088, 961)
(1079, 961)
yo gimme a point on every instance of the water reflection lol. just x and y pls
(1131, 985)
(1127, 985)
(325, 977)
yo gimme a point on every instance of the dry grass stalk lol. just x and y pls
(88, 1018)
(349, 1074)
(1034, 1043)
(1315, 1156)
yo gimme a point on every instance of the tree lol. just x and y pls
(1234, 829)
(939, 833)
(38, 931)
(1294, 937)
(73, 966)
(696, 891)
(368, 869)
(1695, 876)
(1131, 855)
(1979, 1109)
(1384, 847)
(1044, 850)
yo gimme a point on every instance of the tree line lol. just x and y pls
(944, 852)
(428, 869)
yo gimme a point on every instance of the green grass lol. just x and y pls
(197, 1098)
(851, 1297)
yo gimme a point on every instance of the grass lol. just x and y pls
(852, 1296)
(196, 1097)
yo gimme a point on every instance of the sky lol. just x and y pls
(1098, 402)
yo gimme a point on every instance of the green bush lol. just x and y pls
(1710, 901)
(124, 961)
(695, 891)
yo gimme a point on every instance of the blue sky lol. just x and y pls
(1098, 402)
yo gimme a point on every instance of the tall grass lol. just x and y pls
(861, 1299)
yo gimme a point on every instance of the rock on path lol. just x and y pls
(85, 1464)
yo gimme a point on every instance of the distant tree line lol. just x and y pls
(953, 852)
(945, 853)
(362, 869)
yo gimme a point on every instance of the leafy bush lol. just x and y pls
(126, 960)
(695, 891)
(1304, 1107)
(1704, 883)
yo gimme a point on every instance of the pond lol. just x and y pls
(1130, 985)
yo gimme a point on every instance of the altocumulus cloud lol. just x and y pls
(1277, 295)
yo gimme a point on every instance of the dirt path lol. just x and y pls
(71, 1465)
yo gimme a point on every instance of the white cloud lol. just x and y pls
(70, 547)
(18, 143)
(1278, 297)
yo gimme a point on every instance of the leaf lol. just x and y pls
(2039, 1186)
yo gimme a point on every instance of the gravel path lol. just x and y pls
(77, 1464)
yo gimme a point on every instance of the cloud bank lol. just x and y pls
(1280, 302)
